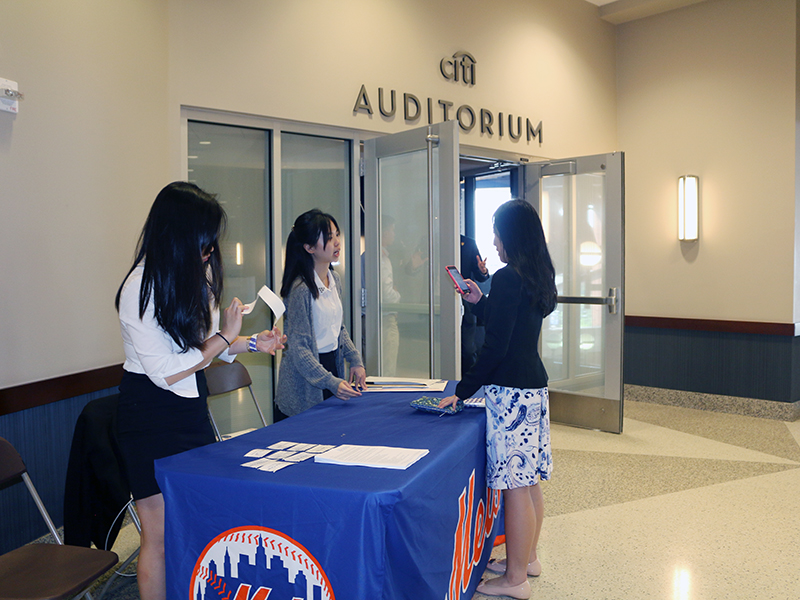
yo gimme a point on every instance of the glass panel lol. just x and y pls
(232, 163)
(490, 192)
(316, 173)
(572, 211)
(404, 265)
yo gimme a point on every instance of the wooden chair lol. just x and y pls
(45, 571)
(222, 378)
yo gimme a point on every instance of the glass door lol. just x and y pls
(233, 162)
(411, 226)
(315, 172)
(581, 204)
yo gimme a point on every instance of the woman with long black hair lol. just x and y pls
(312, 367)
(518, 451)
(168, 308)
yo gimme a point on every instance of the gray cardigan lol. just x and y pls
(302, 378)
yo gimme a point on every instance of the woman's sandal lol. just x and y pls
(499, 566)
(521, 591)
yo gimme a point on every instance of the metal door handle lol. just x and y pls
(610, 300)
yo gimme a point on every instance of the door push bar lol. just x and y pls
(610, 300)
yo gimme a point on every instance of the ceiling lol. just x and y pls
(622, 11)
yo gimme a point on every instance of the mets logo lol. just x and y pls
(257, 563)
(475, 525)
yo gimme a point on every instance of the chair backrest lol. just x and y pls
(46, 570)
(225, 377)
(11, 465)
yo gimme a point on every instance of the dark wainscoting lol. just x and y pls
(42, 435)
(38, 419)
(731, 358)
(39, 393)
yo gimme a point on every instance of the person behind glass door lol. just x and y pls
(518, 453)
(472, 267)
(390, 333)
(312, 367)
(168, 308)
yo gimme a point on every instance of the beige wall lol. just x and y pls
(79, 166)
(99, 131)
(710, 90)
(549, 60)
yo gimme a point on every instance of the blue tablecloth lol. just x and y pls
(317, 531)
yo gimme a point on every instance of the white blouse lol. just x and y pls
(327, 314)
(149, 350)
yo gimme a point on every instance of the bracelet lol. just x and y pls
(224, 338)
(251, 343)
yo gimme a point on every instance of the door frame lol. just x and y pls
(445, 136)
(571, 408)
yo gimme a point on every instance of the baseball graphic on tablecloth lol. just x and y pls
(257, 563)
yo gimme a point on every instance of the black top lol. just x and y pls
(510, 355)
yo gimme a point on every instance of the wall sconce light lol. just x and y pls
(688, 208)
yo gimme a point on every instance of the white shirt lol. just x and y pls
(389, 295)
(149, 350)
(327, 313)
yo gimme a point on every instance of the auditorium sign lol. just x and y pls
(460, 68)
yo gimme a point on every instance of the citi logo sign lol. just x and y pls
(459, 67)
(474, 527)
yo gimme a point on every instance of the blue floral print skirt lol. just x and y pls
(518, 450)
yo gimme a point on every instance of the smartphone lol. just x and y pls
(462, 286)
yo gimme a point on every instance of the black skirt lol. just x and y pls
(153, 423)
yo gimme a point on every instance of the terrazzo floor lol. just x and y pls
(683, 505)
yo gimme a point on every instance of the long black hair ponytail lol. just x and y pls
(517, 225)
(299, 263)
(184, 225)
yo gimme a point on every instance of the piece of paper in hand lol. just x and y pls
(273, 301)
(248, 308)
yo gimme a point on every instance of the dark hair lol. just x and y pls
(299, 263)
(184, 224)
(517, 225)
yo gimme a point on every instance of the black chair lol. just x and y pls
(45, 571)
(222, 378)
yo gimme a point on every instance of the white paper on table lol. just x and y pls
(257, 453)
(273, 465)
(382, 457)
(404, 381)
(256, 464)
(319, 448)
(282, 445)
(281, 455)
(299, 457)
(395, 384)
(300, 447)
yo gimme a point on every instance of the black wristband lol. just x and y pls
(224, 338)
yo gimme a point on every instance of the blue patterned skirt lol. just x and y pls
(518, 450)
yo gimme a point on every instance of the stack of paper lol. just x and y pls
(404, 384)
(282, 454)
(382, 457)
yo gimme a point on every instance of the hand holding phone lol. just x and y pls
(458, 280)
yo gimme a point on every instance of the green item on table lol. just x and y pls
(429, 404)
